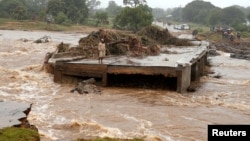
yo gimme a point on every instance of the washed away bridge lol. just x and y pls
(175, 71)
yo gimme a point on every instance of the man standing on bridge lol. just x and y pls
(101, 50)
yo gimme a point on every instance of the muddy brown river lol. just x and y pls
(118, 112)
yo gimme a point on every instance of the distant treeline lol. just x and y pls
(205, 13)
(78, 11)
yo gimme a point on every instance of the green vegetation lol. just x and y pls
(4, 21)
(18, 134)
(197, 11)
(8, 24)
(30, 25)
(205, 13)
(201, 28)
(109, 139)
(134, 18)
(23, 9)
(135, 14)
(64, 15)
(113, 9)
(101, 17)
(75, 11)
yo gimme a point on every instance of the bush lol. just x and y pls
(60, 18)
(134, 19)
(245, 34)
(67, 23)
(241, 27)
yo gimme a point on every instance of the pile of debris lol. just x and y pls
(116, 42)
(147, 42)
(155, 35)
(65, 50)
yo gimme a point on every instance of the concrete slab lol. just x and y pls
(180, 56)
(11, 112)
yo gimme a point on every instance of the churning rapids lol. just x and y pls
(118, 112)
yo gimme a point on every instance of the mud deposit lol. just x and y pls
(119, 112)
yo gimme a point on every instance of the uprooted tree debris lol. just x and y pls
(146, 42)
(153, 35)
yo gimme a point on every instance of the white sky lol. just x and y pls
(177, 3)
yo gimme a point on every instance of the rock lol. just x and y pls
(212, 52)
(240, 56)
(213, 47)
(44, 39)
(15, 114)
(86, 87)
(89, 81)
(191, 89)
(165, 59)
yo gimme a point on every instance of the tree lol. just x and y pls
(22, 9)
(159, 14)
(134, 3)
(197, 11)
(248, 16)
(75, 10)
(113, 9)
(232, 16)
(177, 14)
(55, 6)
(92, 4)
(243, 9)
(134, 18)
(61, 18)
(13, 9)
(215, 17)
(101, 17)
(19, 13)
(36, 9)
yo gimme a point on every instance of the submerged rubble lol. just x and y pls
(154, 35)
(43, 39)
(86, 87)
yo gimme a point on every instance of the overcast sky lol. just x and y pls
(177, 3)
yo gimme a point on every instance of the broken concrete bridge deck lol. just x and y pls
(186, 64)
(13, 113)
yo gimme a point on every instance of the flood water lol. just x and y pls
(119, 112)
